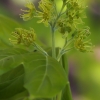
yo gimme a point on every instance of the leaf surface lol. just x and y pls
(10, 58)
(44, 77)
(23, 72)
(11, 84)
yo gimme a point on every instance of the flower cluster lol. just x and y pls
(30, 13)
(45, 12)
(81, 43)
(63, 27)
(66, 21)
(23, 36)
(73, 16)
(75, 12)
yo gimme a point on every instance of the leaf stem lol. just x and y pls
(68, 42)
(66, 94)
(63, 51)
(40, 49)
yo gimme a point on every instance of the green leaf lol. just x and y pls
(11, 83)
(44, 76)
(23, 72)
(10, 58)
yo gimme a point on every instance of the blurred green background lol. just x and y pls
(84, 68)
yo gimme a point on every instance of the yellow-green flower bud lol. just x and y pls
(23, 36)
(62, 30)
(63, 26)
(28, 14)
(75, 12)
(80, 40)
(83, 46)
(46, 12)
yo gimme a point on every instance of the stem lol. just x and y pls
(54, 98)
(53, 43)
(68, 42)
(58, 15)
(65, 42)
(50, 99)
(53, 34)
(63, 52)
(40, 49)
(67, 50)
(55, 7)
(59, 96)
(65, 64)
(67, 91)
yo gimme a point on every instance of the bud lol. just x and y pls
(23, 36)
(28, 14)
(46, 12)
(81, 43)
(83, 46)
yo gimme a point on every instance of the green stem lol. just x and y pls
(54, 98)
(68, 42)
(67, 90)
(63, 51)
(53, 43)
(40, 49)
(55, 7)
(53, 34)
(59, 15)
(59, 96)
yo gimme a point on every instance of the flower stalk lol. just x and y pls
(40, 49)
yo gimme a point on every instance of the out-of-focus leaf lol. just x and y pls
(7, 25)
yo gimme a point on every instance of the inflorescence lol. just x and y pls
(65, 21)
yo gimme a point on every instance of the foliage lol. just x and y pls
(34, 74)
